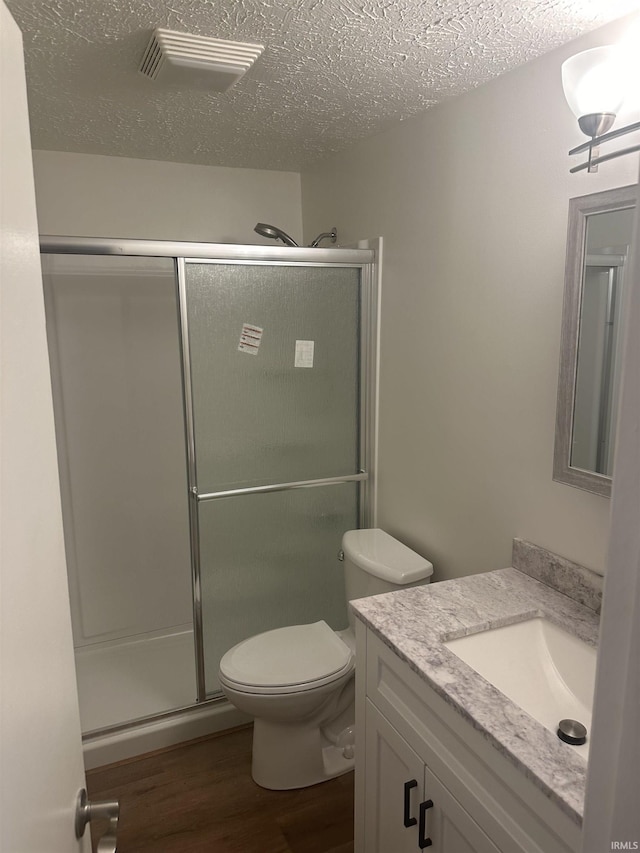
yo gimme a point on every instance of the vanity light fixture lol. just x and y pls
(595, 83)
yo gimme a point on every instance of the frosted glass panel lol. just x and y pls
(269, 560)
(283, 405)
(112, 324)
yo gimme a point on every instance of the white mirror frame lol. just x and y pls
(579, 210)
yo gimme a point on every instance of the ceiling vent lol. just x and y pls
(197, 61)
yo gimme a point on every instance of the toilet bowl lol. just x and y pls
(298, 681)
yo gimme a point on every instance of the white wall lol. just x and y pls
(87, 195)
(471, 199)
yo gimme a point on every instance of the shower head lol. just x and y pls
(326, 235)
(274, 233)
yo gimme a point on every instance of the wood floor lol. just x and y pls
(200, 797)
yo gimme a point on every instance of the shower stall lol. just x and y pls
(214, 413)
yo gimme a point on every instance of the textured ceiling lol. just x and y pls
(333, 71)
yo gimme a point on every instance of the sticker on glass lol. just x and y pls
(250, 338)
(304, 354)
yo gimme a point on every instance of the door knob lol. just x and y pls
(98, 810)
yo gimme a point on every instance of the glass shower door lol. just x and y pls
(112, 326)
(274, 386)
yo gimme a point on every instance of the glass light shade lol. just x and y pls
(594, 81)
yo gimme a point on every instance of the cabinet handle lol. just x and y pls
(422, 841)
(408, 786)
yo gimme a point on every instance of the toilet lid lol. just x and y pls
(286, 657)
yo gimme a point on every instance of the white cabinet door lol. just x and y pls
(394, 788)
(448, 826)
(40, 735)
(407, 808)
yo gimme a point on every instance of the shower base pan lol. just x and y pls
(137, 696)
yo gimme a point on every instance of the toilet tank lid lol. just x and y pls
(384, 557)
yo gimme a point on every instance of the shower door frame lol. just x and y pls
(367, 260)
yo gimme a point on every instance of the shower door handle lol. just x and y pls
(359, 477)
(98, 810)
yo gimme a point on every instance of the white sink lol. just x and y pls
(548, 672)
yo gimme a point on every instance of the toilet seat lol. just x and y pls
(287, 660)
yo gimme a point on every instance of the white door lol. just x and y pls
(448, 826)
(40, 748)
(394, 789)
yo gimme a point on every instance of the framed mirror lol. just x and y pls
(598, 239)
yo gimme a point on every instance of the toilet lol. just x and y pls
(298, 682)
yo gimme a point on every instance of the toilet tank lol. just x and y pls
(375, 562)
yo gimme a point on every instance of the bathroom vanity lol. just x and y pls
(444, 759)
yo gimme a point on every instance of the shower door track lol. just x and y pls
(214, 252)
(137, 722)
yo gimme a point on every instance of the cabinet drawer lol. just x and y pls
(513, 812)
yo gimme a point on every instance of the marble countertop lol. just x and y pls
(416, 622)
